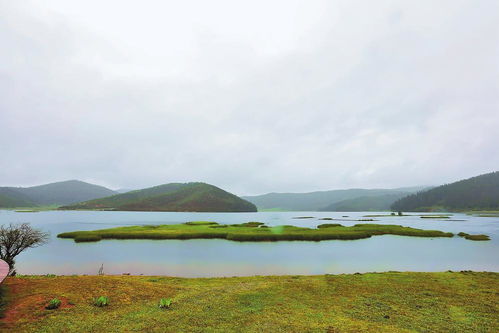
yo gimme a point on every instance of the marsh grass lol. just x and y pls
(251, 232)
(474, 237)
(329, 225)
(201, 223)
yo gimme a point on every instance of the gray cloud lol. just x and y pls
(252, 97)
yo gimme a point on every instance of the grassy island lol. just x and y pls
(249, 231)
(372, 302)
(474, 237)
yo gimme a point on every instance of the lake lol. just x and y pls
(214, 257)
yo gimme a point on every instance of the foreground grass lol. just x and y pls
(374, 302)
(249, 231)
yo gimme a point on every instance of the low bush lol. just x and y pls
(101, 301)
(53, 304)
(165, 303)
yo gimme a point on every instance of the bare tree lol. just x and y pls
(15, 238)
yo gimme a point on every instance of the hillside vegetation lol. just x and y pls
(60, 193)
(366, 203)
(320, 200)
(373, 302)
(185, 197)
(11, 198)
(477, 193)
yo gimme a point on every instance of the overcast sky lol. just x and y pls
(252, 96)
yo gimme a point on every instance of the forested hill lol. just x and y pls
(188, 197)
(11, 198)
(322, 200)
(376, 203)
(60, 193)
(477, 193)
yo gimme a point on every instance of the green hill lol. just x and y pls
(477, 193)
(320, 200)
(11, 198)
(188, 197)
(366, 203)
(60, 193)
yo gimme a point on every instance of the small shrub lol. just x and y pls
(53, 304)
(165, 303)
(101, 301)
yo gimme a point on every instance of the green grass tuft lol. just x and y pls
(53, 304)
(101, 301)
(165, 303)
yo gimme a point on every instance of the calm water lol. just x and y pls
(193, 258)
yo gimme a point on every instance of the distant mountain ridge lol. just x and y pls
(323, 200)
(189, 197)
(476, 193)
(375, 203)
(59, 193)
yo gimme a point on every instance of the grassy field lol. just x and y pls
(249, 231)
(374, 302)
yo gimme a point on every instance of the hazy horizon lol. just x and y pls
(239, 194)
(267, 96)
